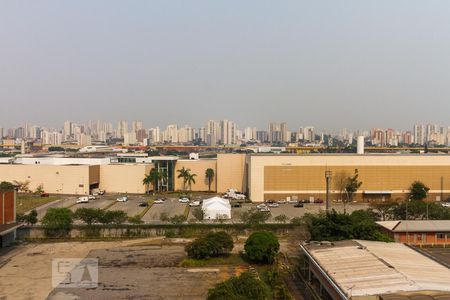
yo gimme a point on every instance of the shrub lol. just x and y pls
(164, 217)
(262, 247)
(178, 219)
(243, 287)
(297, 221)
(254, 217)
(212, 245)
(57, 222)
(31, 218)
(281, 219)
(135, 220)
(114, 217)
(89, 215)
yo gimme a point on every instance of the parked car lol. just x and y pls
(143, 204)
(270, 201)
(122, 199)
(91, 197)
(261, 206)
(282, 201)
(101, 192)
(299, 205)
(183, 200)
(95, 194)
(236, 205)
(45, 195)
(291, 201)
(274, 205)
(445, 204)
(194, 203)
(265, 209)
(318, 200)
(84, 199)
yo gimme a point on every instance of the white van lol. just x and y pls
(84, 199)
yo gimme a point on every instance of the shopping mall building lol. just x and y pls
(261, 176)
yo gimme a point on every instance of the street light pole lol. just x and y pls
(328, 177)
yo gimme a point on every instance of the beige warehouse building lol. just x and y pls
(261, 176)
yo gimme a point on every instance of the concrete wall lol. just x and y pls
(124, 178)
(54, 179)
(272, 176)
(199, 168)
(231, 172)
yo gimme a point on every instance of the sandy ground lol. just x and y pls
(25, 272)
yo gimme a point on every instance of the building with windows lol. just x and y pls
(418, 232)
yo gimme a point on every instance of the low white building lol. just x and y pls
(216, 208)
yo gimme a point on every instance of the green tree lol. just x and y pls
(164, 217)
(242, 287)
(297, 221)
(198, 213)
(184, 174)
(178, 219)
(6, 186)
(281, 219)
(136, 220)
(214, 244)
(254, 217)
(191, 180)
(39, 189)
(147, 181)
(89, 215)
(114, 217)
(384, 210)
(209, 175)
(262, 247)
(155, 176)
(418, 191)
(57, 221)
(31, 218)
(352, 185)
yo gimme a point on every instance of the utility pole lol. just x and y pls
(328, 177)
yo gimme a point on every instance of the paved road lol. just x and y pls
(66, 202)
(97, 203)
(131, 207)
(172, 207)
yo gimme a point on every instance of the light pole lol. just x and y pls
(406, 220)
(328, 174)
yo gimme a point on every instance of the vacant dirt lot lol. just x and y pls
(134, 269)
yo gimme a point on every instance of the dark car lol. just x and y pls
(270, 201)
(299, 205)
(236, 205)
(143, 204)
(45, 195)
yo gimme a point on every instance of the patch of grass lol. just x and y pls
(229, 260)
(27, 202)
(109, 205)
(150, 204)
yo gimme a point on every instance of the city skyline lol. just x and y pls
(188, 62)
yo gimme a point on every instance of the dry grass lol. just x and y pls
(26, 202)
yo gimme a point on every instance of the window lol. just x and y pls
(440, 235)
(81, 185)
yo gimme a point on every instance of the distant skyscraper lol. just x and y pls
(227, 132)
(419, 134)
(122, 128)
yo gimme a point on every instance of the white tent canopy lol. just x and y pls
(216, 208)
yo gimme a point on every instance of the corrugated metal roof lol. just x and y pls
(417, 225)
(375, 268)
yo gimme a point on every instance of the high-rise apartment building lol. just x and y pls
(419, 134)
(122, 128)
(278, 133)
(227, 132)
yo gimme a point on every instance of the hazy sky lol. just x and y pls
(332, 64)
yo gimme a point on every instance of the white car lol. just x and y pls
(261, 206)
(274, 204)
(122, 199)
(291, 201)
(194, 203)
(83, 200)
(183, 200)
(282, 201)
(159, 201)
(265, 209)
(95, 194)
(445, 204)
(91, 197)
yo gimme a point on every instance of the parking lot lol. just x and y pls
(131, 207)
(171, 207)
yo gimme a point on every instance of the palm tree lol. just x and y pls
(191, 180)
(148, 179)
(163, 176)
(155, 177)
(184, 173)
(209, 174)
